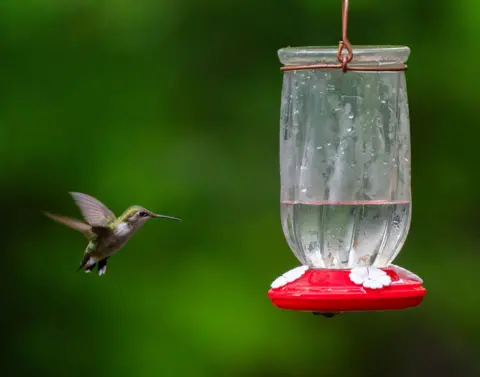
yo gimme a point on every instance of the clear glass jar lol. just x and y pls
(345, 158)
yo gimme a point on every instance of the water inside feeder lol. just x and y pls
(346, 234)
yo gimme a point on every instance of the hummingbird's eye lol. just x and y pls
(143, 214)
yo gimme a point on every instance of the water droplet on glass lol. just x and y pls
(304, 190)
(350, 129)
(350, 116)
(328, 144)
(383, 101)
(319, 148)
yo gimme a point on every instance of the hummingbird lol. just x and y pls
(106, 233)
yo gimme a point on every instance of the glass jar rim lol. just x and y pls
(362, 55)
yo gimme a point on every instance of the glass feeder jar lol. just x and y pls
(345, 181)
(345, 158)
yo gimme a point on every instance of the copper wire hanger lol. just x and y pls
(343, 59)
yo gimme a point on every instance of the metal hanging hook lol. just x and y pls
(344, 43)
(344, 59)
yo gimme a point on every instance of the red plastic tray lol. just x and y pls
(327, 291)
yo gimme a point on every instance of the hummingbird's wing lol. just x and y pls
(94, 212)
(101, 231)
(72, 223)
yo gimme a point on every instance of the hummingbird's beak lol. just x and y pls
(165, 217)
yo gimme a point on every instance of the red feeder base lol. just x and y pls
(332, 291)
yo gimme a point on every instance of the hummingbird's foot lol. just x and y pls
(102, 270)
(102, 266)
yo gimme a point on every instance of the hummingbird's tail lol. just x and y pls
(102, 265)
(88, 269)
(85, 265)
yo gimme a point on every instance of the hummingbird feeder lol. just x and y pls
(345, 178)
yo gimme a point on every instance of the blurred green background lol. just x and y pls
(174, 105)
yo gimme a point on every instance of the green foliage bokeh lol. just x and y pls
(174, 105)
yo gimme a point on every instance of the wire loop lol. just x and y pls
(344, 59)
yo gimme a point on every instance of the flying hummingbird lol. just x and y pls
(106, 233)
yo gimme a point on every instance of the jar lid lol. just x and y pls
(362, 55)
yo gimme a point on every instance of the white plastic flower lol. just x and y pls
(289, 276)
(404, 272)
(370, 277)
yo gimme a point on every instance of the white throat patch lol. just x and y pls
(122, 229)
